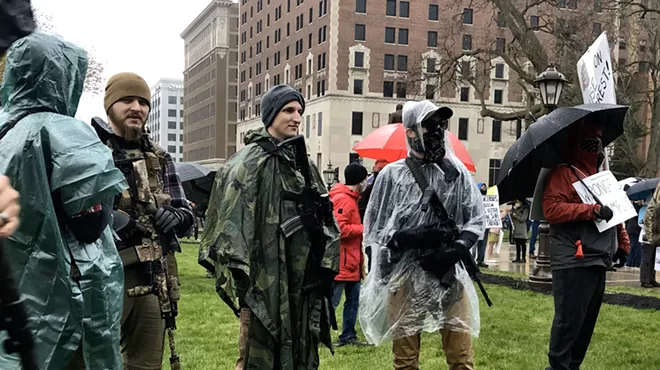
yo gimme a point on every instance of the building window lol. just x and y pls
(534, 22)
(403, 36)
(319, 125)
(463, 128)
(404, 9)
(390, 8)
(501, 22)
(497, 99)
(401, 90)
(493, 171)
(390, 35)
(357, 122)
(499, 70)
(496, 134)
(433, 12)
(353, 158)
(171, 149)
(171, 100)
(171, 112)
(465, 93)
(430, 65)
(597, 29)
(467, 42)
(388, 89)
(308, 127)
(171, 137)
(500, 45)
(467, 16)
(389, 62)
(598, 6)
(359, 59)
(361, 6)
(402, 63)
(430, 92)
(360, 32)
(357, 87)
(432, 39)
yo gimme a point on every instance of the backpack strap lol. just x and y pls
(267, 145)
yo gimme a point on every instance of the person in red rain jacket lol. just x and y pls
(578, 278)
(345, 200)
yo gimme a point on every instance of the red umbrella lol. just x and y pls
(389, 143)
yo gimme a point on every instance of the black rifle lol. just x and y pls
(314, 211)
(13, 317)
(430, 197)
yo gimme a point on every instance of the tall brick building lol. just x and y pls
(210, 83)
(353, 61)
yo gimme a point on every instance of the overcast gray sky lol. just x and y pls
(140, 36)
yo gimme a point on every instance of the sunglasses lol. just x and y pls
(432, 125)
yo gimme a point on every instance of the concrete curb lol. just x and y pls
(620, 299)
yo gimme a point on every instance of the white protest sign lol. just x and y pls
(595, 73)
(606, 188)
(492, 207)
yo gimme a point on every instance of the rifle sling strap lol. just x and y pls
(427, 191)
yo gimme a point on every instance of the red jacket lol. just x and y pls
(346, 211)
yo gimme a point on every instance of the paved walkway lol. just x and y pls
(623, 276)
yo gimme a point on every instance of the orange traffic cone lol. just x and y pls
(579, 253)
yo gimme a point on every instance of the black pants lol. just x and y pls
(647, 268)
(578, 295)
(521, 249)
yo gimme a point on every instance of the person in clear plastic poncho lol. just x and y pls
(402, 296)
(63, 254)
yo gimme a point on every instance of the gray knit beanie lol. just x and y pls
(275, 99)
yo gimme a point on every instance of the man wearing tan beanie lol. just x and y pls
(156, 202)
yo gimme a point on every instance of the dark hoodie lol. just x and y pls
(572, 220)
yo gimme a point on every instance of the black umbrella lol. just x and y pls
(542, 144)
(197, 181)
(642, 189)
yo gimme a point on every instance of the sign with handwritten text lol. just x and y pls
(596, 75)
(605, 187)
(492, 207)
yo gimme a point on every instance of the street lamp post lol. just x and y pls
(329, 174)
(550, 84)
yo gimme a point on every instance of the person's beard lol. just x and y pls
(128, 132)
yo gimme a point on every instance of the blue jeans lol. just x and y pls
(352, 289)
(535, 234)
(635, 255)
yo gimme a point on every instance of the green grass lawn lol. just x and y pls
(514, 333)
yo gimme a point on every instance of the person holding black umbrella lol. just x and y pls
(579, 253)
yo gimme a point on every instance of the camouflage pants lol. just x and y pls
(142, 328)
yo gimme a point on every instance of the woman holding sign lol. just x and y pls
(579, 253)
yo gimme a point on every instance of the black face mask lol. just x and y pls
(433, 146)
(594, 146)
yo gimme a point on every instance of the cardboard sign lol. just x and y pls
(606, 188)
(492, 207)
(595, 73)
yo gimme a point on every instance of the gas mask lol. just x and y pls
(433, 144)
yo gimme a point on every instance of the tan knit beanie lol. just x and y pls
(125, 84)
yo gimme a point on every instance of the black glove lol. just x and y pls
(620, 256)
(167, 218)
(605, 213)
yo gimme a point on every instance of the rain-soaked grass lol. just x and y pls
(514, 333)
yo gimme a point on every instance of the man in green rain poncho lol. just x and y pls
(63, 253)
(259, 256)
